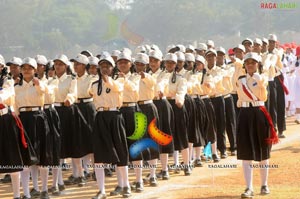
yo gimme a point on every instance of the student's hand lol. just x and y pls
(121, 74)
(142, 74)
(105, 78)
(160, 94)
(36, 81)
(179, 105)
(67, 103)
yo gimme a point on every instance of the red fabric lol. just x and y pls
(298, 51)
(246, 91)
(274, 138)
(285, 89)
(20, 126)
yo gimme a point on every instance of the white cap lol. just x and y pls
(240, 46)
(93, 60)
(257, 41)
(247, 39)
(265, 40)
(157, 54)
(148, 48)
(51, 63)
(201, 46)
(181, 48)
(2, 61)
(140, 49)
(200, 59)
(41, 59)
(104, 53)
(142, 58)
(210, 43)
(272, 37)
(127, 50)
(252, 55)
(154, 47)
(30, 61)
(115, 53)
(124, 55)
(191, 47)
(107, 58)
(221, 49)
(169, 47)
(63, 58)
(86, 52)
(180, 56)
(210, 51)
(80, 58)
(15, 60)
(170, 57)
(189, 57)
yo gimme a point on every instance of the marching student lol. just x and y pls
(296, 85)
(29, 101)
(15, 68)
(20, 153)
(177, 90)
(93, 65)
(255, 130)
(164, 108)
(109, 137)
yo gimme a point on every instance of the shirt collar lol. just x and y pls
(63, 77)
(83, 76)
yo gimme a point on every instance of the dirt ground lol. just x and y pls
(207, 182)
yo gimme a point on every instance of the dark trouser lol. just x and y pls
(237, 110)
(281, 125)
(272, 102)
(230, 122)
(219, 106)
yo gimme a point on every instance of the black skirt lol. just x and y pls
(192, 123)
(151, 112)
(128, 115)
(109, 138)
(201, 118)
(210, 130)
(166, 122)
(36, 125)
(55, 128)
(88, 111)
(252, 132)
(181, 140)
(73, 132)
(12, 152)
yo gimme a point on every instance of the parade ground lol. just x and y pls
(223, 180)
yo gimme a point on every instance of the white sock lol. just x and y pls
(164, 161)
(119, 177)
(138, 170)
(176, 158)
(214, 148)
(100, 176)
(152, 164)
(185, 156)
(191, 151)
(248, 173)
(15, 180)
(124, 174)
(54, 176)
(25, 175)
(74, 169)
(78, 167)
(264, 171)
(34, 170)
(198, 153)
(60, 178)
(44, 172)
(86, 161)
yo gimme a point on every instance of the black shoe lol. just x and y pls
(118, 190)
(87, 175)
(81, 181)
(61, 187)
(54, 191)
(165, 175)
(247, 194)
(264, 190)
(6, 179)
(224, 155)
(147, 179)
(108, 172)
(71, 180)
(126, 192)
(233, 153)
(17, 198)
(34, 193)
(198, 163)
(99, 196)
(215, 158)
(139, 187)
(44, 195)
(280, 135)
(153, 182)
(25, 197)
(187, 171)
